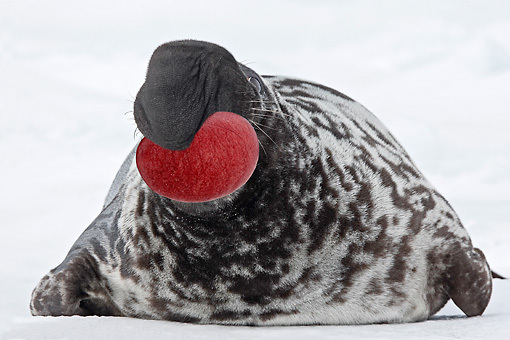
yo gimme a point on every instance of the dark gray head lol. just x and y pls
(186, 82)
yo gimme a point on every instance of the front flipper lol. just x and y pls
(470, 282)
(73, 288)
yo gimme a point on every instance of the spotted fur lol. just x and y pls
(336, 226)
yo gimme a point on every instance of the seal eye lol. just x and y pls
(256, 83)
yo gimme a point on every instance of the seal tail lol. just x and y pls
(497, 276)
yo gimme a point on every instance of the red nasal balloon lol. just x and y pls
(221, 159)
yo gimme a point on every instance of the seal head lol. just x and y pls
(186, 82)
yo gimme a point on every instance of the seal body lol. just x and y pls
(335, 226)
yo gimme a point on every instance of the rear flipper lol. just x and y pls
(73, 288)
(470, 282)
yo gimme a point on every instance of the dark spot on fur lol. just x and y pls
(225, 315)
(397, 296)
(256, 290)
(397, 272)
(448, 215)
(144, 262)
(387, 181)
(271, 314)
(99, 250)
(379, 247)
(391, 144)
(374, 288)
(140, 204)
(444, 232)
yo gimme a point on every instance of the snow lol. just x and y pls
(436, 72)
(449, 324)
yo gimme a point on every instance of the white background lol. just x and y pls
(436, 72)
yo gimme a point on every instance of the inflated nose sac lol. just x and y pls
(221, 159)
(186, 82)
(197, 145)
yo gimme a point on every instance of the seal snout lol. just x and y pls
(186, 82)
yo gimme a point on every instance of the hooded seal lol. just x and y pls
(335, 226)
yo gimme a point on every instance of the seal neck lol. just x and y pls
(203, 209)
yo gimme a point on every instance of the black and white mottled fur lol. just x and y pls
(336, 226)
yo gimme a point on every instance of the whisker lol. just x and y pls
(132, 97)
(264, 132)
(257, 126)
(266, 126)
(246, 62)
(262, 101)
(265, 110)
(264, 113)
(263, 148)
(273, 111)
(137, 133)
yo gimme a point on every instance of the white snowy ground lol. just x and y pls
(437, 72)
